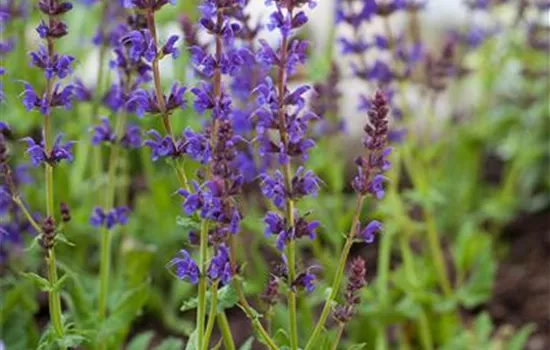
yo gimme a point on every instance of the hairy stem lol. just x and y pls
(335, 287)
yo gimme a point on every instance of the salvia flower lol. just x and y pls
(220, 267)
(368, 233)
(109, 219)
(59, 151)
(186, 268)
(305, 280)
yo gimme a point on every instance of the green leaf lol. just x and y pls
(125, 310)
(227, 298)
(170, 344)
(192, 342)
(71, 341)
(60, 237)
(483, 327)
(188, 222)
(59, 283)
(141, 341)
(408, 307)
(247, 345)
(357, 346)
(281, 337)
(41, 282)
(519, 340)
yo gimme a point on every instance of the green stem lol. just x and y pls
(335, 287)
(27, 214)
(293, 323)
(425, 332)
(338, 336)
(223, 325)
(201, 307)
(53, 296)
(384, 258)
(253, 316)
(109, 200)
(437, 254)
(211, 316)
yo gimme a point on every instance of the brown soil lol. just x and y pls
(522, 288)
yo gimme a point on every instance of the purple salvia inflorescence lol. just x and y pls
(216, 145)
(356, 281)
(372, 166)
(283, 109)
(53, 64)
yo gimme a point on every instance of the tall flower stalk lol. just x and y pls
(132, 67)
(368, 181)
(50, 152)
(283, 110)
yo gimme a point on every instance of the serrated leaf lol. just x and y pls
(227, 298)
(41, 282)
(170, 344)
(141, 341)
(192, 341)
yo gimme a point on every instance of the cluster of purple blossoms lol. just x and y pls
(53, 64)
(104, 133)
(284, 111)
(109, 219)
(58, 152)
(277, 225)
(371, 167)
